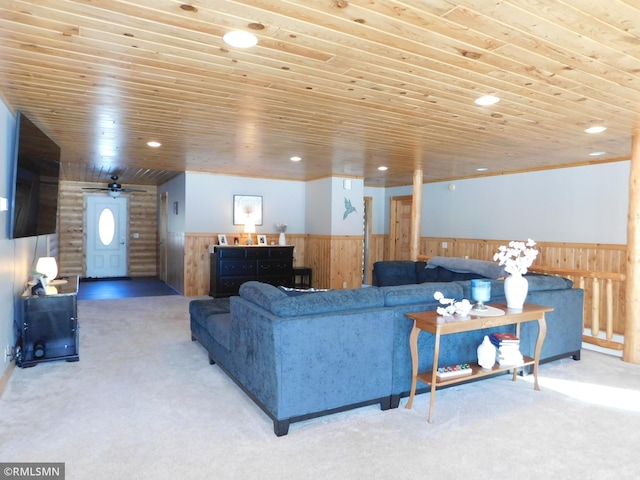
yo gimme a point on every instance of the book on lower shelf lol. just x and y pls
(504, 339)
(507, 349)
(509, 359)
(459, 370)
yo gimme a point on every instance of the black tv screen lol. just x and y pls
(36, 174)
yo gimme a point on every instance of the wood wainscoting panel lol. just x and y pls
(176, 261)
(196, 262)
(335, 260)
(195, 276)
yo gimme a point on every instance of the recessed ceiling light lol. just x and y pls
(486, 100)
(597, 154)
(481, 169)
(295, 159)
(596, 129)
(383, 168)
(240, 39)
(154, 144)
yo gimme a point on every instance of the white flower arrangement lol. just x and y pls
(281, 227)
(517, 257)
(463, 307)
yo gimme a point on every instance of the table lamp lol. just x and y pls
(48, 267)
(249, 228)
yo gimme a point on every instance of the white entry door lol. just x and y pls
(106, 236)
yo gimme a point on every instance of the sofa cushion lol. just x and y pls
(279, 303)
(329, 301)
(296, 292)
(260, 293)
(465, 265)
(210, 306)
(420, 293)
(394, 272)
(213, 315)
(439, 274)
(539, 282)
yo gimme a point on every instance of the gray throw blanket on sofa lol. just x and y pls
(464, 265)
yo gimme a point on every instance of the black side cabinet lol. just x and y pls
(47, 325)
(231, 266)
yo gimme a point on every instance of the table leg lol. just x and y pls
(413, 346)
(434, 376)
(542, 332)
(515, 370)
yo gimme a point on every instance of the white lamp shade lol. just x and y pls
(249, 227)
(48, 267)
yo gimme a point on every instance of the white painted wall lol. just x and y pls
(326, 206)
(579, 204)
(353, 223)
(209, 203)
(17, 257)
(7, 247)
(175, 190)
(318, 207)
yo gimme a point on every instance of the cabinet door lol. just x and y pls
(281, 252)
(244, 268)
(50, 324)
(230, 285)
(274, 267)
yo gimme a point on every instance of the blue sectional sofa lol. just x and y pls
(299, 356)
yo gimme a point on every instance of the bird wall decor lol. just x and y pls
(348, 208)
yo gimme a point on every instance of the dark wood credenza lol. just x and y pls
(232, 265)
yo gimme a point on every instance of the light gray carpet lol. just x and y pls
(143, 402)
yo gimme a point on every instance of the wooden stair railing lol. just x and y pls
(598, 305)
(590, 282)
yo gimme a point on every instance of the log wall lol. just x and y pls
(142, 261)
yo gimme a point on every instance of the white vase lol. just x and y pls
(486, 353)
(515, 290)
(281, 239)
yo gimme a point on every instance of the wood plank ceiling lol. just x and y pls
(347, 85)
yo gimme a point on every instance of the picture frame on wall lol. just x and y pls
(247, 209)
(222, 239)
(262, 239)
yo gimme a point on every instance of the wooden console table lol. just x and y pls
(437, 325)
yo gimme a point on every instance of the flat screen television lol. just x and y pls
(35, 179)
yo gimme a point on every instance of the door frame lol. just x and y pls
(393, 221)
(163, 233)
(366, 243)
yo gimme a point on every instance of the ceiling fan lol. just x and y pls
(114, 188)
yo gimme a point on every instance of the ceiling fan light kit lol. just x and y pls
(114, 188)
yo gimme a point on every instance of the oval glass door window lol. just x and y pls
(106, 226)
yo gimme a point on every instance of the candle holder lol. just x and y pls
(480, 293)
